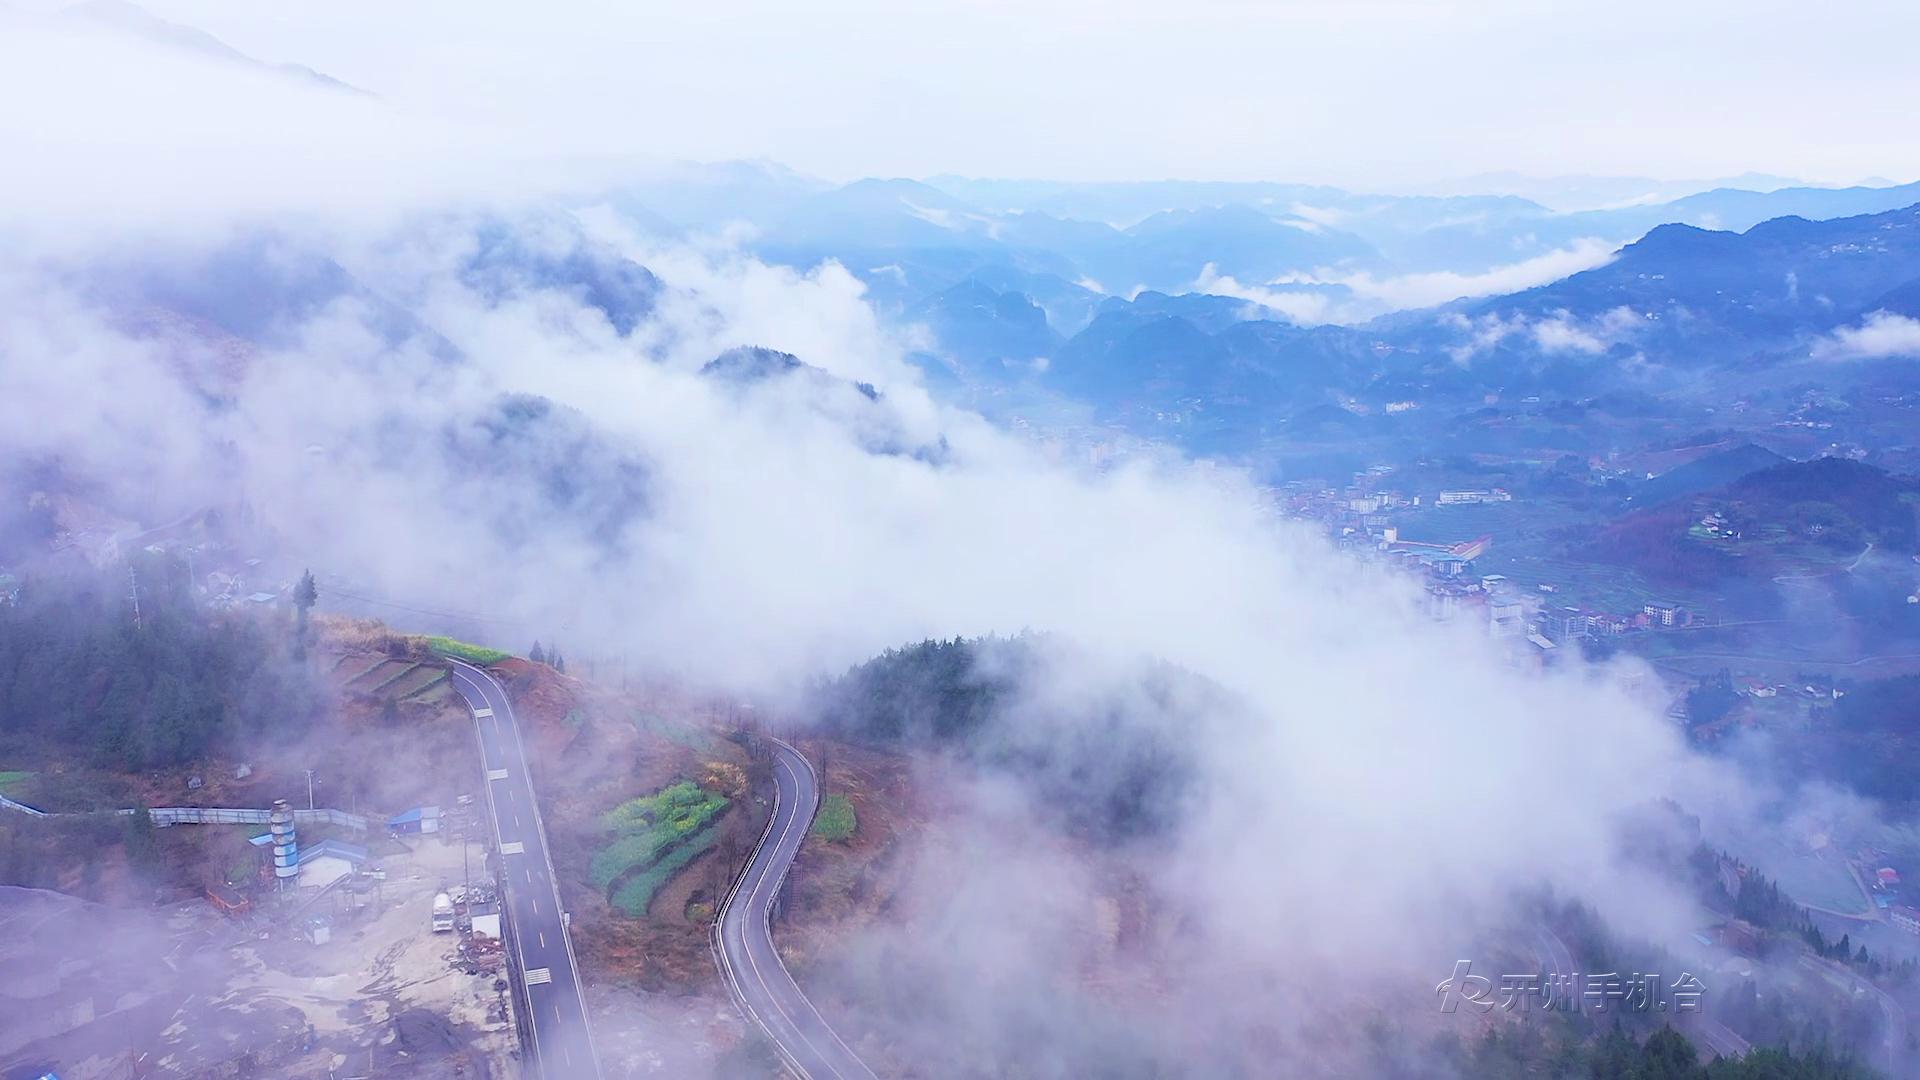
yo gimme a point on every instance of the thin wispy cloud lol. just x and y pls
(1363, 295)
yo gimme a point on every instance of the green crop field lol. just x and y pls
(415, 692)
(836, 821)
(652, 837)
(11, 780)
(461, 650)
(634, 894)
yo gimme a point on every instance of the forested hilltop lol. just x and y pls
(1116, 760)
(82, 677)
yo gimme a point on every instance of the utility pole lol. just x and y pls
(309, 773)
(133, 580)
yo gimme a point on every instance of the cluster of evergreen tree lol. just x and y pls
(1535, 1051)
(1114, 759)
(1760, 902)
(940, 691)
(1711, 699)
(540, 654)
(79, 674)
(1667, 1055)
(1896, 972)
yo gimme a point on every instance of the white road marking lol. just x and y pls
(753, 898)
(472, 683)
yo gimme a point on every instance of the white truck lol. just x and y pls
(442, 912)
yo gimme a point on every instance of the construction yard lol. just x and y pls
(178, 956)
(175, 952)
(190, 992)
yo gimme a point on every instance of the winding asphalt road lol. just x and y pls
(1893, 1034)
(1556, 958)
(751, 966)
(546, 976)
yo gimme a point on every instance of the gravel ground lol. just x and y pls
(185, 992)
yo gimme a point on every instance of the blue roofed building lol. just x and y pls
(420, 819)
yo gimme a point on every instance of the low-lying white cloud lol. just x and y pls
(1438, 287)
(1558, 331)
(1880, 335)
(1326, 296)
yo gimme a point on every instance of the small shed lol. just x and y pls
(420, 819)
(485, 919)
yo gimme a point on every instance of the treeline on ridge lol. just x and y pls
(1115, 760)
(80, 676)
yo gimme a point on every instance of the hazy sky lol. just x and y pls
(1378, 93)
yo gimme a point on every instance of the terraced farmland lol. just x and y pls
(423, 677)
(653, 837)
(375, 678)
(352, 666)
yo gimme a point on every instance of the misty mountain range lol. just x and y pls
(1683, 317)
(132, 20)
(1218, 315)
(1284, 307)
(1685, 313)
(909, 240)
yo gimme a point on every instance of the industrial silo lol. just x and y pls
(286, 847)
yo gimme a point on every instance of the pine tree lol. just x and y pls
(559, 663)
(305, 594)
(537, 654)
